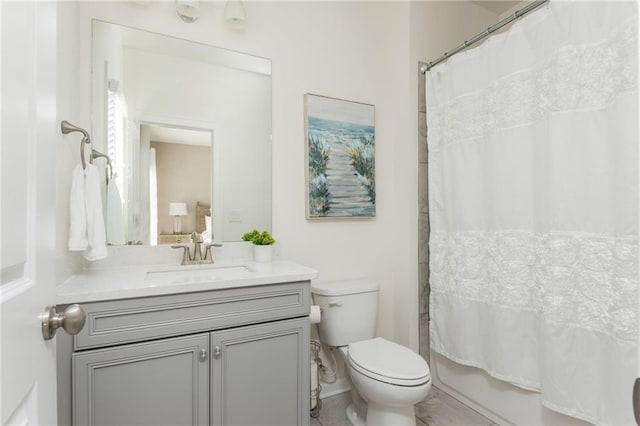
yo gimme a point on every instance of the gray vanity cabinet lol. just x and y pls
(225, 357)
(163, 382)
(258, 372)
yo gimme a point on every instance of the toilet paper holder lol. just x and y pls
(315, 313)
(316, 364)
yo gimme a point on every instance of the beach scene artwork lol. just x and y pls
(340, 158)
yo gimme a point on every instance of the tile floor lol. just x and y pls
(438, 409)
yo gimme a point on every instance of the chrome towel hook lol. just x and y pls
(97, 154)
(67, 127)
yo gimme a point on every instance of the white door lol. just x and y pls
(27, 211)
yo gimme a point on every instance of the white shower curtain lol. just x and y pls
(533, 193)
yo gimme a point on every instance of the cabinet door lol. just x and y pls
(164, 382)
(260, 374)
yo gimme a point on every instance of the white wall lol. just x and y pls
(361, 51)
(68, 108)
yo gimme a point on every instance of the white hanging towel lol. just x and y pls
(86, 232)
(77, 216)
(96, 234)
(115, 225)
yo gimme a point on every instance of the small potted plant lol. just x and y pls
(262, 245)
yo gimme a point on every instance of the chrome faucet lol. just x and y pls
(197, 258)
(197, 241)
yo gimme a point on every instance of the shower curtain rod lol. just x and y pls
(518, 13)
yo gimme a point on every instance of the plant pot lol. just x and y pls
(263, 253)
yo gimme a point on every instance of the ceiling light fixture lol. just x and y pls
(234, 15)
(188, 10)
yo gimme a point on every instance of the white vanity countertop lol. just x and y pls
(95, 285)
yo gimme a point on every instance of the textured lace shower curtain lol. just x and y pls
(533, 193)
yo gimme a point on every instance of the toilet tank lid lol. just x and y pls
(343, 287)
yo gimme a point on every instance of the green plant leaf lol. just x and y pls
(259, 238)
(251, 235)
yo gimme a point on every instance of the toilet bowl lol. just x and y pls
(391, 379)
(388, 377)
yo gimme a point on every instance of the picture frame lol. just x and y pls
(339, 158)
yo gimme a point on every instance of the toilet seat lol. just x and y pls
(388, 362)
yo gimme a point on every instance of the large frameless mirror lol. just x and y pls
(188, 129)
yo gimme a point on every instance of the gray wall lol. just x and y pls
(423, 218)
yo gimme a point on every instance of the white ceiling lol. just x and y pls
(499, 7)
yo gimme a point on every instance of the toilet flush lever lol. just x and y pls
(335, 303)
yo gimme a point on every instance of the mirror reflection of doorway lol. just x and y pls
(180, 182)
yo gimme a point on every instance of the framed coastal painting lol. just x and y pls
(340, 158)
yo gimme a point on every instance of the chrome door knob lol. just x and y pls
(71, 320)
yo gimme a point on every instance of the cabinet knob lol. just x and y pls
(203, 355)
(217, 352)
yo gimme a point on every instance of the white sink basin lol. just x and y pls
(198, 273)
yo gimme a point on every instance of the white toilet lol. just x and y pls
(389, 377)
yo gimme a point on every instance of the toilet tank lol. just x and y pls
(349, 310)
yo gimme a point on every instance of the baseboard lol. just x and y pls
(330, 389)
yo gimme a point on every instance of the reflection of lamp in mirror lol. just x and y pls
(177, 210)
(188, 10)
(234, 15)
